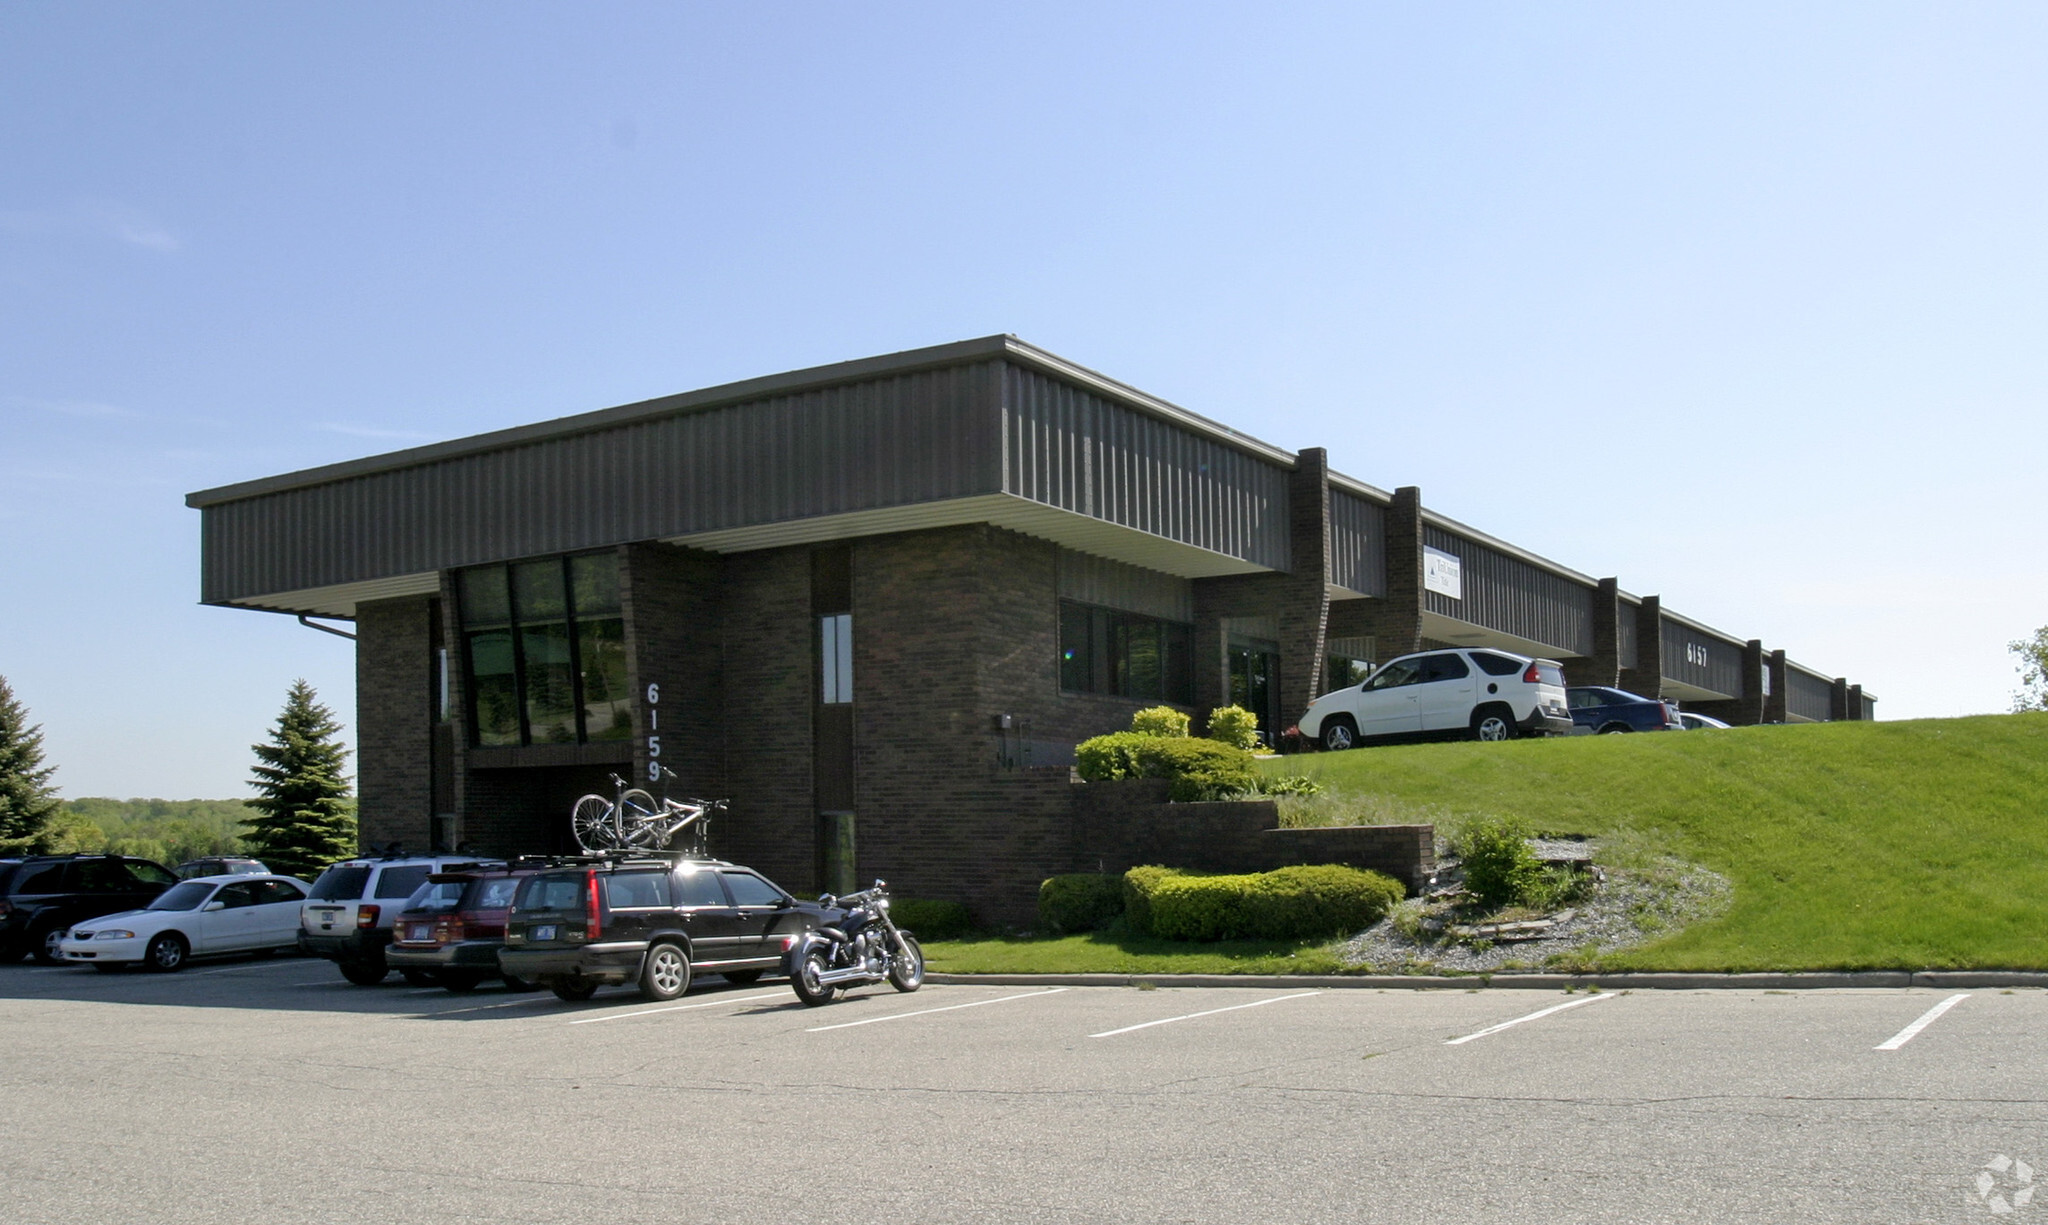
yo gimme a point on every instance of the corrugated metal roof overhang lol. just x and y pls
(1082, 532)
(341, 600)
(1466, 634)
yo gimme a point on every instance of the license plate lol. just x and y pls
(421, 931)
(544, 932)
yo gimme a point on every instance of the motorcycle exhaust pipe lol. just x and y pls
(857, 974)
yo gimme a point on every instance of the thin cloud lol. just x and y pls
(93, 218)
(381, 435)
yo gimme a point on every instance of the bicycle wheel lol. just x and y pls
(593, 824)
(639, 819)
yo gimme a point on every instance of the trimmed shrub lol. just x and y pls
(1108, 758)
(1139, 883)
(1198, 769)
(1079, 901)
(1288, 904)
(1500, 869)
(1159, 721)
(1234, 725)
(1289, 784)
(929, 920)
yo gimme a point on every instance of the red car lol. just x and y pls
(452, 927)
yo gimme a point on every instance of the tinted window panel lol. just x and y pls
(750, 890)
(436, 896)
(1400, 672)
(234, 897)
(558, 893)
(493, 894)
(103, 876)
(699, 889)
(185, 896)
(1495, 665)
(273, 892)
(494, 690)
(340, 884)
(483, 598)
(601, 645)
(400, 882)
(594, 583)
(636, 890)
(1444, 668)
(550, 683)
(152, 875)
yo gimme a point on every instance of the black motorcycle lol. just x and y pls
(862, 946)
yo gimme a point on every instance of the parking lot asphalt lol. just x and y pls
(272, 1091)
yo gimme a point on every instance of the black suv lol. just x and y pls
(41, 896)
(651, 918)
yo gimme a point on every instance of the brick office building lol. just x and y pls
(868, 601)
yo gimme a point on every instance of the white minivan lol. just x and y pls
(1484, 694)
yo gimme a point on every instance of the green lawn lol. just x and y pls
(1908, 845)
(1916, 844)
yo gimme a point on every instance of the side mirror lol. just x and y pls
(216, 905)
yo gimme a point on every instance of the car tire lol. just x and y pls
(1493, 724)
(416, 977)
(166, 953)
(665, 973)
(364, 973)
(1339, 733)
(1615, 729)
(44, 946)
(462, 980)
(574, 990)
(740, 978)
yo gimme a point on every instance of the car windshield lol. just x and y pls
(183, 896)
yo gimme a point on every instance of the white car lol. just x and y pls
(202, 917)
(1698, 723)
(1484, 694)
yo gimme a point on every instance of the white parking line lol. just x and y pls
(529, 999)
(1494, 1029)
(1111, 1033)
(648, 1012)
(1926, 1019)
(925, 1012)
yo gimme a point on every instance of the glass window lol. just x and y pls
(400, 882)
(436, 895)
(46, 879)
(636, 890)
(103, 876)
(1400, 672)
(698, 888)
(234, 897)
(1345, 672)
(1125, 654)
(340, 884)
(156, 875)
(494, 894)
(835, 659)
(186, 895)
(562, 893)
(1444, 668)
(1496, 665)
(546, 651)
(276, 892)
(750, 890)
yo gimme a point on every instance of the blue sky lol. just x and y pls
(1742, 305)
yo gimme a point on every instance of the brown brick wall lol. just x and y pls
(769, 655)
(672, 605)
(394, 722)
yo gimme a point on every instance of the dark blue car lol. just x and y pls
(1596, 708)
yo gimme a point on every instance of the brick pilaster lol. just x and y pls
(1647, 676)
(1776, 709)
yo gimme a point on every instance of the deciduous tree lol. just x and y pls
(2033, 653)
(305, 818)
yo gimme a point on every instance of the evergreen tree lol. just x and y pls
(27, 801)
(305, 818)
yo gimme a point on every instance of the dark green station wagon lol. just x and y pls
(652, 918)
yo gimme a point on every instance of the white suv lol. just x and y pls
(347, 917)
(1487, 695)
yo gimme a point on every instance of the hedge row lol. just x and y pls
(1199, 769)
(1295, 903)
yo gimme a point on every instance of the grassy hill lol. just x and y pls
(1909, 845)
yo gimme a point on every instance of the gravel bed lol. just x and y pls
(1629, 907)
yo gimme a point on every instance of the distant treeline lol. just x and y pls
(168, 831)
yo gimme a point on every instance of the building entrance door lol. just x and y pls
(1255, 683)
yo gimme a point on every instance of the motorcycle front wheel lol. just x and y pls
(906, 973)
(806, 980)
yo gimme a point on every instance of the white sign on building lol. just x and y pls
(1440, 573)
